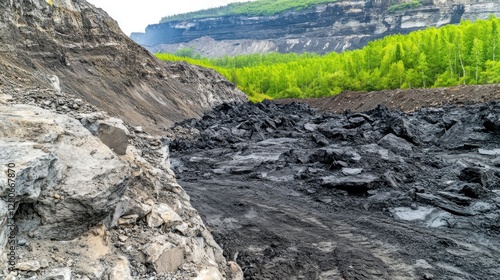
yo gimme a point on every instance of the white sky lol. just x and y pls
(134, 16)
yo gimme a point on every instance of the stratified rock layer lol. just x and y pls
(73, 47)
(338, 26)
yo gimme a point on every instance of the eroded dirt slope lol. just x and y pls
(78, 49)
(294, 193)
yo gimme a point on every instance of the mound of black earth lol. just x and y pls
(294, 193)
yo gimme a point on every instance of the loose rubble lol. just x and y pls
(293, 192)
(109, 186)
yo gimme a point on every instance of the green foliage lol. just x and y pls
(448, 56)
(404, 6)
(255, 8)
(187, 52)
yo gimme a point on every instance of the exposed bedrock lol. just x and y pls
(88, 208)
(342, 25)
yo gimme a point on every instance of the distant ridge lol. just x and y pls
(329, 26)
(251, 8)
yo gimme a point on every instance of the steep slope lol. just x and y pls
(93, 59)
(83, 194)
(337, 26)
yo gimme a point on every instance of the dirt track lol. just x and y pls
(291, 193)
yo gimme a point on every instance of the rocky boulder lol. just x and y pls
(63, 172)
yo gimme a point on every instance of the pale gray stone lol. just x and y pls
(28, 266)
(94, 178)
(58, 274)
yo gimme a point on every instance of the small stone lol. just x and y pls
(352, 171)
(50, 137)
(138, 129)
(58, 274)
(113, 136)
(122, 238)
(162, 214)
(28, 266)
(182, 228)
(428, 276)
(170, 260)
(129, 220)
(56, 196)
(120, 270)
(235, 271)
(44, 263)
(21, 242)
(419, 189)
(58, 259)
(310, 127)
(326, 200)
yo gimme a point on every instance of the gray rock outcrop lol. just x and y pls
(337, 26)
(70, 179)
(83, 210)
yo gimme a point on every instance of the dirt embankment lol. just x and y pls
(405, 100)
(78, 49)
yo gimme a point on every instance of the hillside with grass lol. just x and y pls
(462, 54)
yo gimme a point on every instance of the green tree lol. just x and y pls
(477, 53)
(447, 56)
(492, 72)
(422, 69)
(185, 52)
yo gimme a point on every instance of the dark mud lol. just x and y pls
(293, 193)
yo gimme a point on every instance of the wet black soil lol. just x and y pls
(294, 193)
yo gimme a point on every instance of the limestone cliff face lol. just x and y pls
(338, 26)
(85, 53)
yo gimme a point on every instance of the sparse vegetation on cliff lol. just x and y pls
(254, 8)
(404, 6)
(451, 55)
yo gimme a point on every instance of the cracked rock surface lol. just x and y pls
(86, 210)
